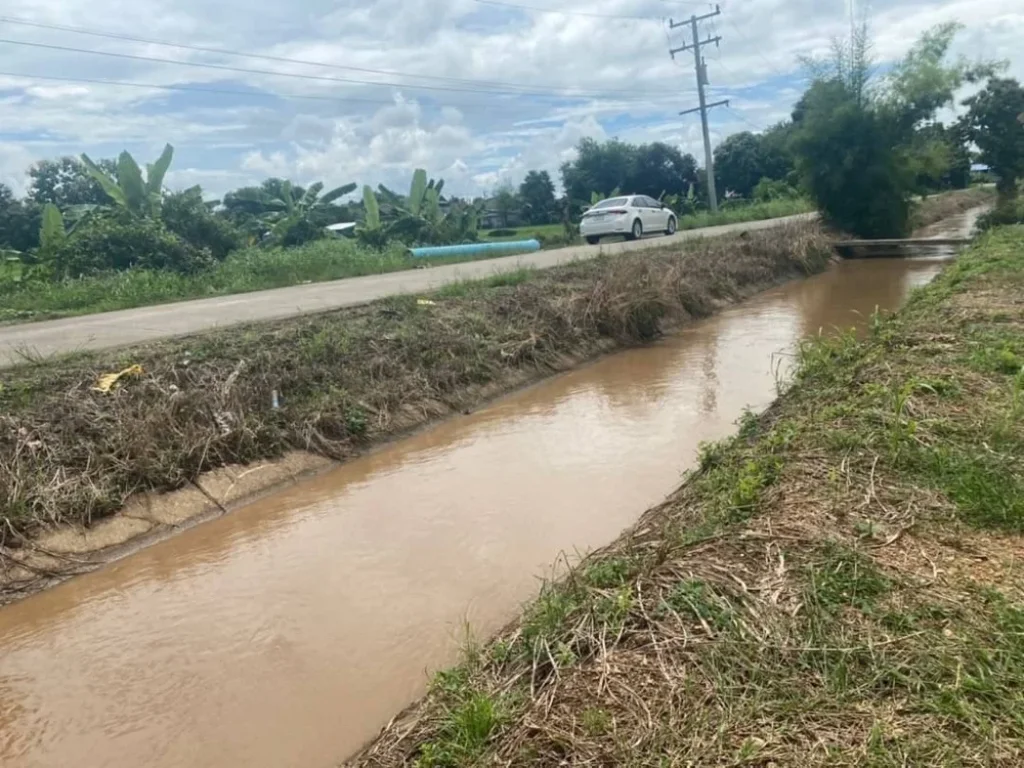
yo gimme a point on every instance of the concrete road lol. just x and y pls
(131, 326)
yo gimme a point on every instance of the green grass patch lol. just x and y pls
(695, 599)
(745, 212)
(463, 733)
(251, 269)
(842, 577)
(507, 278)
(525, 232)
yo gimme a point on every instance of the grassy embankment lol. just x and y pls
(942, 206)
(256, 269)
(839, 584)
(346, 378)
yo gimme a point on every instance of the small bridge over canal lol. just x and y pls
(911, 246)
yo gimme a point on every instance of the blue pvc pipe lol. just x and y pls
(475, 249)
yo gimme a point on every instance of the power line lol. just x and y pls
(535, 9)
(229, 91)
(736, 114)
(270, 73)
(218, 91)
(281, 59)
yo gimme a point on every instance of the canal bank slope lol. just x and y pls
(87, 437)
(841, 583)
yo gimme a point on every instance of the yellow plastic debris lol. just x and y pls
(109, 380)
(425, 302)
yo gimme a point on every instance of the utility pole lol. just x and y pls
(702, 80)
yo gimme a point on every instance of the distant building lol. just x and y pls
(491, 218)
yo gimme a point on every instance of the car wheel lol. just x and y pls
(593, 239)
(671, 229)
(637, 232)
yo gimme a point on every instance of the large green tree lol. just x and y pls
(649, 169)
(743, 159)
(857, 140)
(598, 167)
(19, 222)
(738, 165)
(66, 182)
(537, 198)
(995, 123)
(660, 169)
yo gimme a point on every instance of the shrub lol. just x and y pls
(502, 233)
(186, 215)
(768, 190)
(118, 242)
(733, 203)
(299, 232)
(846, 151)
(1007, 212)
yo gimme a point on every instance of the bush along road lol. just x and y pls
(838, 584)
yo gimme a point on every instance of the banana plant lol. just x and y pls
(293, 209)
(418, 217)
(597, 197)
(127, 189)
(371, 232)
(49, 259)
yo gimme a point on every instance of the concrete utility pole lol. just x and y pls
(702, 80)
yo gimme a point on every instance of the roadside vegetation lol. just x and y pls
(838, 584)
(70, 453)
(97, 235)
(256, 268)
(250, 269)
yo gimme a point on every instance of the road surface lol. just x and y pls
(131, 326)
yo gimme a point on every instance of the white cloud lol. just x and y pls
(379, 129)
(14, 161)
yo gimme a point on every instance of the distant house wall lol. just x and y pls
(491, 219)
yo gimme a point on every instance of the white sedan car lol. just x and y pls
(632, 216)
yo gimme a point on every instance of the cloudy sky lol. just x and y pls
(365, 90)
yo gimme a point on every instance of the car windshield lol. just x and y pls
(615, 202)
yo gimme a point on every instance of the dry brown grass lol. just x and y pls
(942, 206)
(840, 584)
(71, 454)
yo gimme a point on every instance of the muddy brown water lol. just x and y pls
(288, 632)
